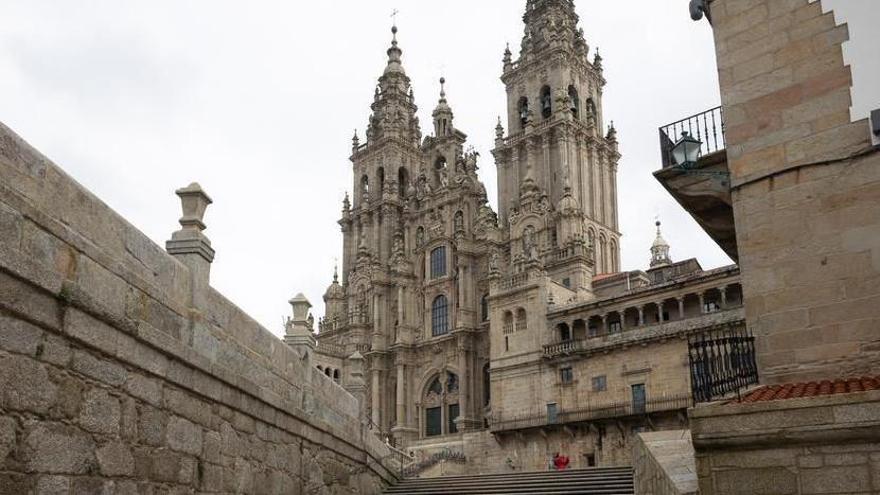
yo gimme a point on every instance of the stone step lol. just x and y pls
(618, 471)
(597, 481)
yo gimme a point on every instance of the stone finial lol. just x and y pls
(194, 202)
(299, 329)
(190, 241)
(301, 307)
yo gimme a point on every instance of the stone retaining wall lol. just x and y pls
(663, 463)
(120, 374)
(818, 445)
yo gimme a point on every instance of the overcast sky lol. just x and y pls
(258, 101)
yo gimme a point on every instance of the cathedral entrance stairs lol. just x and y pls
(596, 481)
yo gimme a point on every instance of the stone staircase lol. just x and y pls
(597, 481)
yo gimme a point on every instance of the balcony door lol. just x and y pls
(638, 398)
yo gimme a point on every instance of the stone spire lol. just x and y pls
(442, 113)
(660, 250)
(394, 109)
(550, 24)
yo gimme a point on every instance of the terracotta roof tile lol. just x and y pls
(813, 389)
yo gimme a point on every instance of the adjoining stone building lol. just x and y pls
(508, 337)
(791, 189)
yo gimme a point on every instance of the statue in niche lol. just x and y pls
(493, 262)
(444, 177)
(529, 245)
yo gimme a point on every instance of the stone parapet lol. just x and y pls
(116, 379)
(664, 463)
(812, 445)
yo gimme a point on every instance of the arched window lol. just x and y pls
(508, 322)
(365, 187)
(402, 181)
(522, 323)
(438, 262)
(564, 332)
(458, 221)
(320, 368)
(441, 397)
(380, 179)
(591, 107)
(546, 102)
(336, 376)
(574, 101)
(327, 371)
(523, 109)
(484, 308)
(603, 255)
(440, 316)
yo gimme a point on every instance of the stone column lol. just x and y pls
(401, 396)
(641, 316)
(376, 393)
(605, 324)
(463, 384)
(660, 312)
(622, 320)
(354, 382)
(702, 297)
(681, 308)
(723, 291)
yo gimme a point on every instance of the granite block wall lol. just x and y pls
(120, 374)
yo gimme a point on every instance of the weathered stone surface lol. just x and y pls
(55, 448)
(53, 485)
(101, 413)
(101, 370)
(25, 385)
(115, 459)
(8, 429)
(184, 436)
(18, 336)
(152, 425)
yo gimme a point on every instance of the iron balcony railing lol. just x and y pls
(708, 127)
(613, 410)
(722, 363)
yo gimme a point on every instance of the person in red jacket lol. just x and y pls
(561, 462)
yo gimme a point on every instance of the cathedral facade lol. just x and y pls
(461, 328)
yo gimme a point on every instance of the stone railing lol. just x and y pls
(446, 455)
(334, 350)
(638, 335)
(613, 410)
(515, 281)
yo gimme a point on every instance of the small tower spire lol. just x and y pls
(443, 113)
(660, 250)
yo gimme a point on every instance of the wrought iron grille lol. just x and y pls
(708, 127)
(722, 363)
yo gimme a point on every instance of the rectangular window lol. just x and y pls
(600, 384)
(451, 417)
(594, 331)
(433, 422)
(552, 414)
(566, 375)
(639, 400)
(615, 327)
(438, 262)
(566, 282)
(711, 307)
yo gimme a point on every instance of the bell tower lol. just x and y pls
(555, 123)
